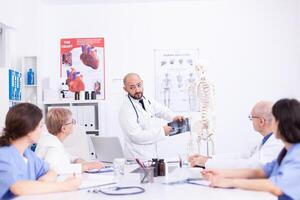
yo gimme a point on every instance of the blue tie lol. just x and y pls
(266, 138)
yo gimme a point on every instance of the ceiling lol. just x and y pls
(70, 2)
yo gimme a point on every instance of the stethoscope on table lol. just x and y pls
(137, 115)
(131, 190)
(115, 191)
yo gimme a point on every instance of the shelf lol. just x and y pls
(71, 101)
(18, 101)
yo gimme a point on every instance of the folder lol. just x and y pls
(89, 117)
(80, 116)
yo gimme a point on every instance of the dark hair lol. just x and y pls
(281, 155)
(287, 114)
(20, 120)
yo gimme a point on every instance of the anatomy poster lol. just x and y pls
(175, 77)
(82, 65)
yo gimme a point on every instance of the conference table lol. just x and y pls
(158, 190)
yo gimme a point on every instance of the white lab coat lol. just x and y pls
(142, 132)
(51, 149)
(259, 156)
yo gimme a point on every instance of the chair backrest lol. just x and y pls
(77, 144)
(107, 148)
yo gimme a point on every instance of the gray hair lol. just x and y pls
(264, 109)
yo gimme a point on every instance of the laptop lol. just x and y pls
(107, 148)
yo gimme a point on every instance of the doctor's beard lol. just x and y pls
(137, 95)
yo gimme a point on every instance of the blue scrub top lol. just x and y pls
(286, 176)
(13, 168)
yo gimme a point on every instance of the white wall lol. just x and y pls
(9, 11)
(11, 22)
(22, 36)
(252, 47)
(21, 21)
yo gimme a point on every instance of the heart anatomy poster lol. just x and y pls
(82, 65)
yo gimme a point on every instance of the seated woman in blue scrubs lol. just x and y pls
(21, 171)
(281, 176)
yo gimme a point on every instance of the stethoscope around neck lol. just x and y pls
(136, 113)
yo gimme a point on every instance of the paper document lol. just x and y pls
(102, 170)
(94, 180)
(182, 174)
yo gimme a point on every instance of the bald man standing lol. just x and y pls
(266, 151)
(141, 119)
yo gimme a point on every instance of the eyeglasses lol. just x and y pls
(72, 122)
(134, 87)
(251, 117)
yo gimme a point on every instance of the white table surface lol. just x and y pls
(158, 190)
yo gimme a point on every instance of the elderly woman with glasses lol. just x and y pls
(50, 147)
(281, 176)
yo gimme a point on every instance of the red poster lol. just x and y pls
(82, 65)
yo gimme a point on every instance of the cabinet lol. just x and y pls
(30, 81)
(86, 113)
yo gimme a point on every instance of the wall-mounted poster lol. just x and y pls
(82, 65)
(175, 74)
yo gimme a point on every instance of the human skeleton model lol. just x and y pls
(205, 127)
(166, 85)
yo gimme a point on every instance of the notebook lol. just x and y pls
(91, 180)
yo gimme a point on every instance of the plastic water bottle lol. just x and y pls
(30, 77)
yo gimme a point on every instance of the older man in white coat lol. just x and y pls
(141, 119)
(266, 151)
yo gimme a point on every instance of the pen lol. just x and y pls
(180, 162)
(199, 166)
(139, 163)
(143, 167)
